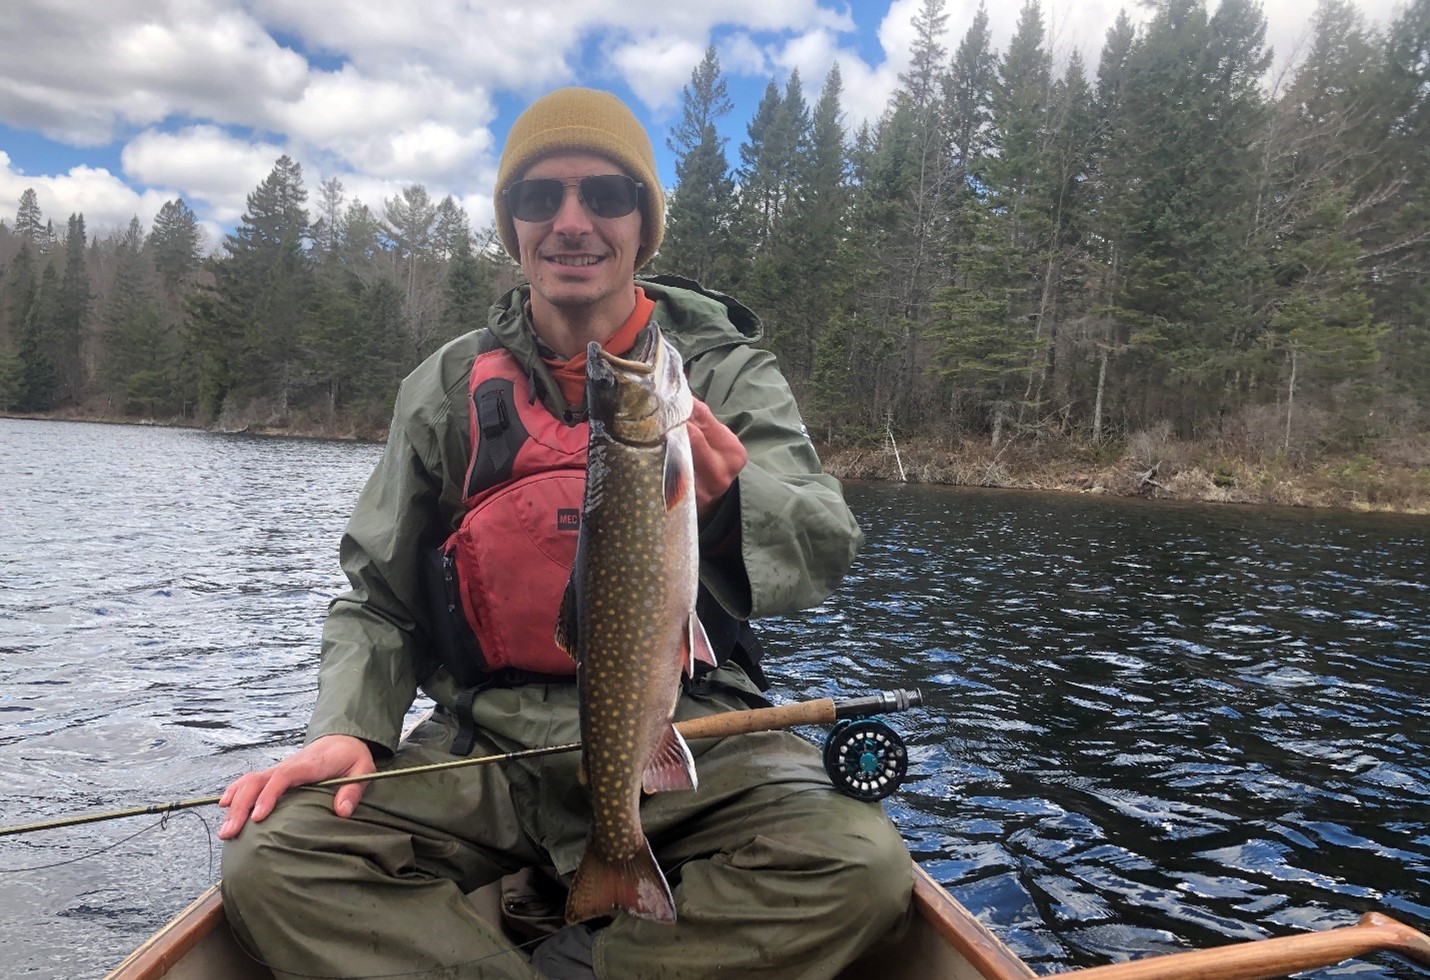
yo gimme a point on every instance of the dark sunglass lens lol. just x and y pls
(535, 200)
(610, 195)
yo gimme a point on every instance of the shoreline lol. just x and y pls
(1189, 473)
(1201, 472)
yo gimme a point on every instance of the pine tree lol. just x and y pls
(1180, 164)
(29, 221)
(333, 336)
(817, 238)
(140, 362)
(758, 172)
(698, 242)
(1394, 229)
(72, 314)
(910, 203)
(969, 94)
(411, 224)
(246, 328)
(1323, 323)
(38, 374)
(328, 226)
(385, 344)
(16, 303)
(451, 225)
(174, 244)
(467, 292)
(361, 243)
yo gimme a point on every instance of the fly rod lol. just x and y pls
(821, 711)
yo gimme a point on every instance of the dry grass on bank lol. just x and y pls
(1396, 478)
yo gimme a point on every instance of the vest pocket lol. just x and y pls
(511, 557)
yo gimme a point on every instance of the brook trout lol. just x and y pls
(628, 617)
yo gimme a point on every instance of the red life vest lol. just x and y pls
(522, 494)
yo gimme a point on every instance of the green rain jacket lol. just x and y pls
(797, 536)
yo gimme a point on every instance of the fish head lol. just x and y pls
(637, 400)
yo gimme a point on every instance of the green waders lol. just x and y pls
(774, 873)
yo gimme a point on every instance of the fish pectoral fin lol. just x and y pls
(679, 474)
(671, 767)
(568, 630)
(603, 887)
(697, 647)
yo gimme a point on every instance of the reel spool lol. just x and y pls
(865, 758)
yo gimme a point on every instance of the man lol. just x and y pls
(774, 874)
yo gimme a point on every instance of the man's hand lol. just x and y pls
(256, 793)
(717, 456)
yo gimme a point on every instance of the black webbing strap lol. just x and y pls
(466, 728)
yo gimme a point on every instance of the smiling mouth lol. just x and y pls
(575, 261)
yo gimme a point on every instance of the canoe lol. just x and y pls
(945, 941)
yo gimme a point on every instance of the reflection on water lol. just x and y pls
(1147, 726)
(1150, 726)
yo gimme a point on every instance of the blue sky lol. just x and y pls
(134, 102)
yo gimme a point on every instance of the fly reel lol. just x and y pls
(865, 758)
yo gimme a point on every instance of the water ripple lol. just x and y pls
(1147, 726)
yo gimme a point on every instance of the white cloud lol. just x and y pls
(656, 68)
(81, 78)
(208, 166)
(207, 93)
(106, 201)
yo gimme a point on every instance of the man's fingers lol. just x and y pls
(238, 799)
(254, 795)
(278, 783)
(345, 800)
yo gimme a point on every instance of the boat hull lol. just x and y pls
(943, 940)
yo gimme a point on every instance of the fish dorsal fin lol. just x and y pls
(568, 628)
(671, 767)
(678, 471)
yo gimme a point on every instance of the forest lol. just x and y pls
(1181, 259)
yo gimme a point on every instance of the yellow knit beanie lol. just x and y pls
(582, 120)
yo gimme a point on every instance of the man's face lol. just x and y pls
(576, 261)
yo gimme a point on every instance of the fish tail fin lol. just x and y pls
(603, 887)
(671, 766)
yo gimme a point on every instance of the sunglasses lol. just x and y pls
(605, 196)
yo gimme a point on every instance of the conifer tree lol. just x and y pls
(1323, 323)
(450, 225)
(174, 245)
(247, 326)
(72, 314)
(466, 291)
(141, 353)
(20, 286)
(328, 225)
(698, 243)
(969, 93)
(34, 348)
(825, 262)
(29, 221)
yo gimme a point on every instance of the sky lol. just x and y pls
(111, 109)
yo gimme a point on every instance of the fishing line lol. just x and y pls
(822, 711)
(161, 824)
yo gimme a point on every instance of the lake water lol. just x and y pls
(1148, 726)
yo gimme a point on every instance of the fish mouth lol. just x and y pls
(644, 365)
